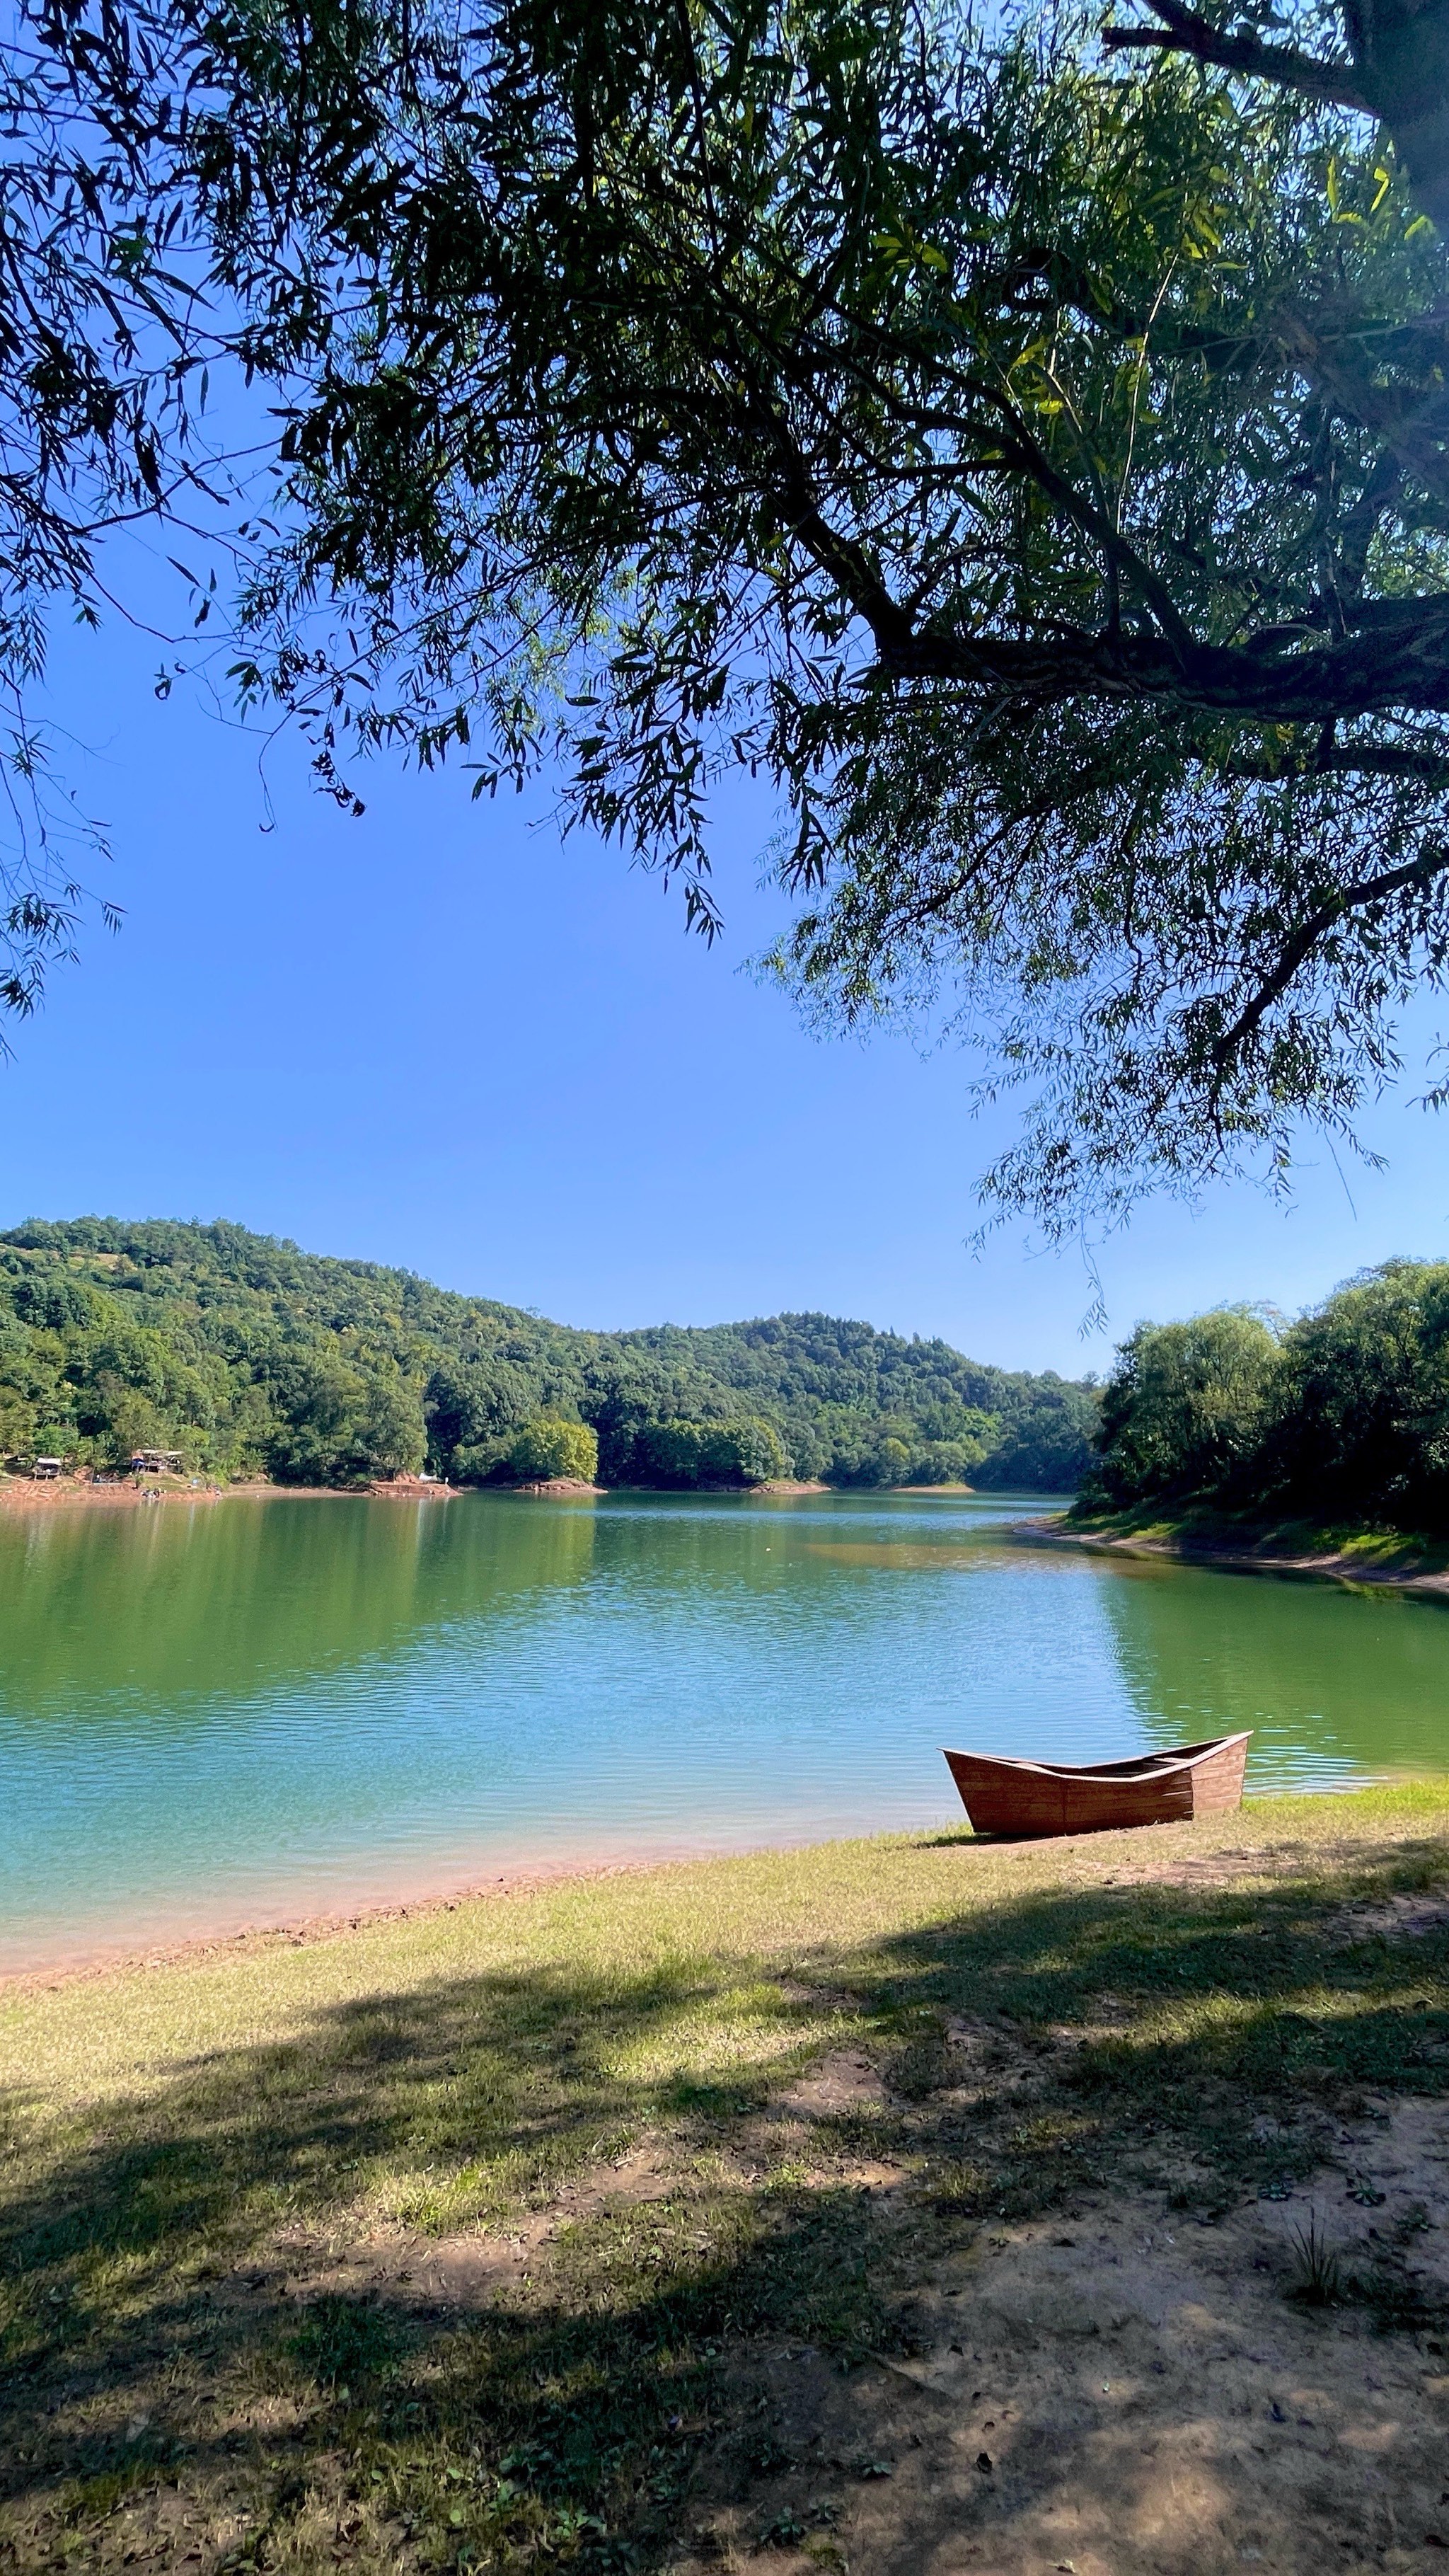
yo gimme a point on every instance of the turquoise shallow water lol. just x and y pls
(252, 1711)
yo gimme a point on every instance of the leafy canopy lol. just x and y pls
(1027, 454)
(1183, 1407)
(1343, 1416)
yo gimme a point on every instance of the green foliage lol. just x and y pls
(836, 1390)
(1183, 1408)
(391, 1434)
(746, 1450)
(981, 436)
(548, 1447)
(1027, 457)
(668, 1453)
(254, 1358)
(1360, 1419)
(1346, 1417)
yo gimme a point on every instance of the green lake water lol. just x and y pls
(252, 1711)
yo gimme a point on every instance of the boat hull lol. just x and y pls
(1014, 1798)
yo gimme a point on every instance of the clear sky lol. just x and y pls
(438, 1037)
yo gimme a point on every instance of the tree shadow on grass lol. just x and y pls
(157, 2350)
(152, 2272)
(1197, 2015)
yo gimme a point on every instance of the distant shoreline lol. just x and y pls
(1376, 1559)
(57, 1493)
(61, 1493)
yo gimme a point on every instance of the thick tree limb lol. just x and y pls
(1368, 674)
(1415, 432)
(1186, 32)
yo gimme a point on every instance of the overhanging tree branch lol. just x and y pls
(1185, 32)
(1416, 875)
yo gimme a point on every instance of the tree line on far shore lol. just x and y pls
(1341, 1416)
(250, 1358)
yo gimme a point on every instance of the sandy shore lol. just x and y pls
(713, 1493)
(561, 1487)
(93, 1493)
(425, 1901)
(247, 1931)
(308, 1931)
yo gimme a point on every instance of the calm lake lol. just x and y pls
(252, 1711)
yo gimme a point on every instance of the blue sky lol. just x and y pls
(437, 1037)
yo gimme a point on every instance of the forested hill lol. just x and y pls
(252, 1358)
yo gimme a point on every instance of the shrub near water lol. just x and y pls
(548, 1447)
(743, 1452)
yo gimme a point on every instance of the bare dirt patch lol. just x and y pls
(842, 2082)
(55, 1493)
(123, 1493)
(1408, 1916)
(1119, 2391)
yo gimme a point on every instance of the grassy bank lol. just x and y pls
(455, 2241)
(1338, 1551)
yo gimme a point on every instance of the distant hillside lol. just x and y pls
(253, 1358)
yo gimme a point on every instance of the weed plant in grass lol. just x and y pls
(1317, 2278)
(234, 2184)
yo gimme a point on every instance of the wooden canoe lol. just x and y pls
(1005, 1796)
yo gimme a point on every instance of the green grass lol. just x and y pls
(215, 2169)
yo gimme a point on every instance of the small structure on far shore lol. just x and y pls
(45, 1468)
(156, 1462)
